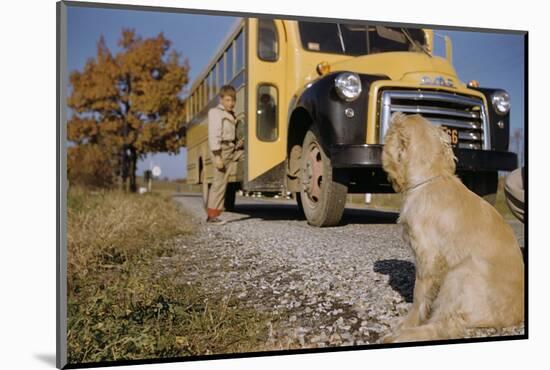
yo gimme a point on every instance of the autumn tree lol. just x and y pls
(127, 105)
(90, 165)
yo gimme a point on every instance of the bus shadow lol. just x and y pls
(268, 212)
(281, 212)
(368, 216)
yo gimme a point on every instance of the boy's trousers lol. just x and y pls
(216, 194)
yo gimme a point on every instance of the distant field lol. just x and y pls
(170, 186)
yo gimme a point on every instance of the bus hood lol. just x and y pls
(400, 66)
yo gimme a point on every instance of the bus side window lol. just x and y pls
(240, 52)
(221, 71)
(266, 113)
(268, 44)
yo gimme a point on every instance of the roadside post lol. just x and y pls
(156, 174)
(148, 176)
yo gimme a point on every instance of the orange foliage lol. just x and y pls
(129, 100)
(89, 165)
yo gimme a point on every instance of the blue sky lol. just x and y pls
(495, 60)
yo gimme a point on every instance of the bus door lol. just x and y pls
(266, 113)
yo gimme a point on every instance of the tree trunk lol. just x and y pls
(124, 169)
(133, 168)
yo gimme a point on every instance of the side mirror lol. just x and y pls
(429, 37)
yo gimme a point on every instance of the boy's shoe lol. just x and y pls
(215, 221)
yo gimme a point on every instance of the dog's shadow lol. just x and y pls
(402, 276)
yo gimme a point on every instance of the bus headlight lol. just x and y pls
(501, 102)
(348, 86)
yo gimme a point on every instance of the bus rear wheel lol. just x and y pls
(323, 199)
(230, 195)
(205, 189)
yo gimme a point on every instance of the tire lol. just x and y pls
(322, 198)
(230, 195)
(514, 193)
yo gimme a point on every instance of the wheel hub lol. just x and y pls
(313, 174)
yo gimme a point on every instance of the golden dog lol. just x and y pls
(469, 267)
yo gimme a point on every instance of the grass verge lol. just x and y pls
(120, 307)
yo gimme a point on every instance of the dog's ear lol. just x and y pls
(398, 122)
(396, 143)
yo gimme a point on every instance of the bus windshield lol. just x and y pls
(359, 39)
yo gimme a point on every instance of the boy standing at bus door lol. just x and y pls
(223, 150)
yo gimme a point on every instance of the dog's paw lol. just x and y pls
(410, 321)
(417, 334)
(404, 322)
(389, 338)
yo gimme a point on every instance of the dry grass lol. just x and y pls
(107, 228)
(119, 306)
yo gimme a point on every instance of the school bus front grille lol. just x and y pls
(465, 114)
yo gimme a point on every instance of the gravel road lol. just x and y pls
(336, 286)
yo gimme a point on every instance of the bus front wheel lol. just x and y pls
(323, 197)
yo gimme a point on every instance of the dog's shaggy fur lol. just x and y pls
(469, 267)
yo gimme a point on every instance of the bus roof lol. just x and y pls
(219, 51)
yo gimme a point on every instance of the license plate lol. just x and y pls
(453, 134)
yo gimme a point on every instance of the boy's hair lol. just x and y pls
(228, 90)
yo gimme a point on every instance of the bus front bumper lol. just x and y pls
(370, 155)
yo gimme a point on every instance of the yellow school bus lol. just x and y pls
(314, 101)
